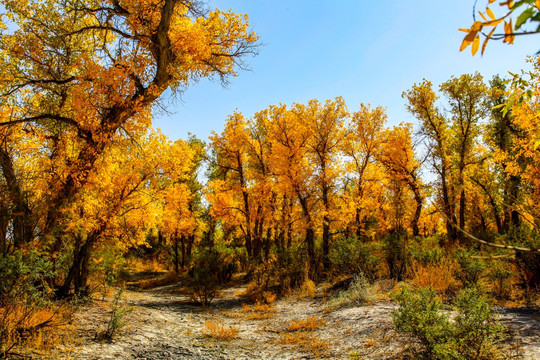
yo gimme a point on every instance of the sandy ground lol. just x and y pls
(165, 324)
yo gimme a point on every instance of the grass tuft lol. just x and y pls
(218, 330)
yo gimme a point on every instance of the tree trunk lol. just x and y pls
(176, 255)
(418, 211)
(326, 228)
(183, 241)
(310, 234)
(77, 276)
(461, 211)
(268, 240)
(358, 224)
(189, 247)
(449, 213)
(23, 230)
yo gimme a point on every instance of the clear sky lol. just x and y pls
(365, 51)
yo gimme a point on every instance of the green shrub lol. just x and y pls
(475, 329)
(419, 315)
(470, 268)
(283, 271)
(211, 268)
(111, 265)
(472, 334)
(117, 319)
(500, 274)
(24, 290)
(527, 263)
(352, 256)
(426, 250)
(359, 293)
(396, 255)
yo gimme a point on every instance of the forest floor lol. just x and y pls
(165, 324)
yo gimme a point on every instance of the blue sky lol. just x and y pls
(365, 51)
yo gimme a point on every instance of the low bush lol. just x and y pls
(470, 267)
(396, 253)
(210, 269)
(218, 330)
(476, 330)
(352, 256)
(307, 341)
(25, 296)
(359, 292)
(435, 275)
(500, 274)
(117, 320)
(426, 251)
(419, 315)
(258, 311)
(283, 271)
(309, 324)
(108, 266)
(473, 333)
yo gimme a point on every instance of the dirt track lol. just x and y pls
(166, 325)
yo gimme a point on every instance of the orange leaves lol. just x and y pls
(207, 45)
(307, 167)
(472, 37)
(508, 32)
(529, 12)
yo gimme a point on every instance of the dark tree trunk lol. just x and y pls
(494, 208)
(482, 220)
(268, 242)
(358, 224)
(23, 230)
(326, 229)
(189, 247)
(418, 211)
(448, 208)
(326, 243)
(176, 255)
(183, 241)
(462, 208)
(77, 276)
(310, 235)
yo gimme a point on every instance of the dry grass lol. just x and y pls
(309, 324)
(255, 294)
(307, 290)
(258, 311)
(307, 341)
(50, 343)
(301, 333)
(359, 292)
(218, 330)
(436, 276)
(36, 330)
(136, 264)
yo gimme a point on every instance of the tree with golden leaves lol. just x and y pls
(80, 72)
(364, 138)
(397, 155)
(326, 125)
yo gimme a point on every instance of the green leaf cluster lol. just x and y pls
(470, 331)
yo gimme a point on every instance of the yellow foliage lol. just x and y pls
(307, 342)
(437, 276)
(309, 324)
(219, 331)
(258, 311)
(308, 289)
